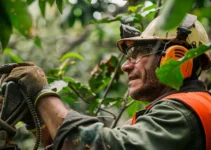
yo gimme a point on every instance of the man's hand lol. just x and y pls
(7, 68)
(30, 78)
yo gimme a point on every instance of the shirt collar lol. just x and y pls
(188, 86)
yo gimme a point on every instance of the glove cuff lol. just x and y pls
(45, 92)
(33, 128)
(30, 126)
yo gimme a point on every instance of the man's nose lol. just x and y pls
(127, 66)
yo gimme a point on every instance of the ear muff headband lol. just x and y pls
(176, 52)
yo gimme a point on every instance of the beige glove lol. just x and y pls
(29, 77)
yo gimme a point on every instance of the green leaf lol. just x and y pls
(42, 4)
(200, 3)
(71, 21)
(12, 55)
(82, 89)
(137, 105)
(128, 19)
(150, 8)
(67, 95)
(50, 2)
(132, 109)
(59, 5)
(192, 53)
(70, 55)
(6, 29)
(102, 73)
(173, 13)
(92, 106)
(137, 18)
(89, 1)
(63, 67)
(99, 78)
(70, 98)
(203, 12)
(97, 83)
(19, 15)
(170, 74)
(113, 101)
(29, 1)
(68, 79)
(134, 9)
(37, 42)
(53, 74)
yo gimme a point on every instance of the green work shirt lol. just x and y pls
(167, 125)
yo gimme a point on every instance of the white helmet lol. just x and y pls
(197, 36)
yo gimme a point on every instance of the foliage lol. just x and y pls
(170, 12)
(12, 55)
(67, 38)
(16, 14)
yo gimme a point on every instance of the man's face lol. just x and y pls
(140, 66)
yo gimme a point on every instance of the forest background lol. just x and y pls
(74, 41)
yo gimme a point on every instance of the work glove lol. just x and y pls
(31, 79)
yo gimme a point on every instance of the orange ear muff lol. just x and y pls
(176, 52)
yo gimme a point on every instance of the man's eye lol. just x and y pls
(135, 54)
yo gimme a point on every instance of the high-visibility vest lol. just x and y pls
(200, 102)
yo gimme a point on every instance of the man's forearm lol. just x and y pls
(53, 112)
(61, 122)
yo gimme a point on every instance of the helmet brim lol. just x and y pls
(127, 42)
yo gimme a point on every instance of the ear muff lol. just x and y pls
(176, 52)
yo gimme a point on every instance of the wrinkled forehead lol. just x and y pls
(139, 45)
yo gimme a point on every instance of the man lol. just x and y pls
(170, 121)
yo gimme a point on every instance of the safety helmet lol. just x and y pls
(197, 36)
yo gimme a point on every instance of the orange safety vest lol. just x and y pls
(200, 102)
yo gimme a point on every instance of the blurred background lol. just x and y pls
(74, 41)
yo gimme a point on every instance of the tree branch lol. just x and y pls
(81, 38)
(123, 107)
(159, 4)
(79, 95)
(111, 82)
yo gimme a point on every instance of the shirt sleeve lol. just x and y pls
(164, 126)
